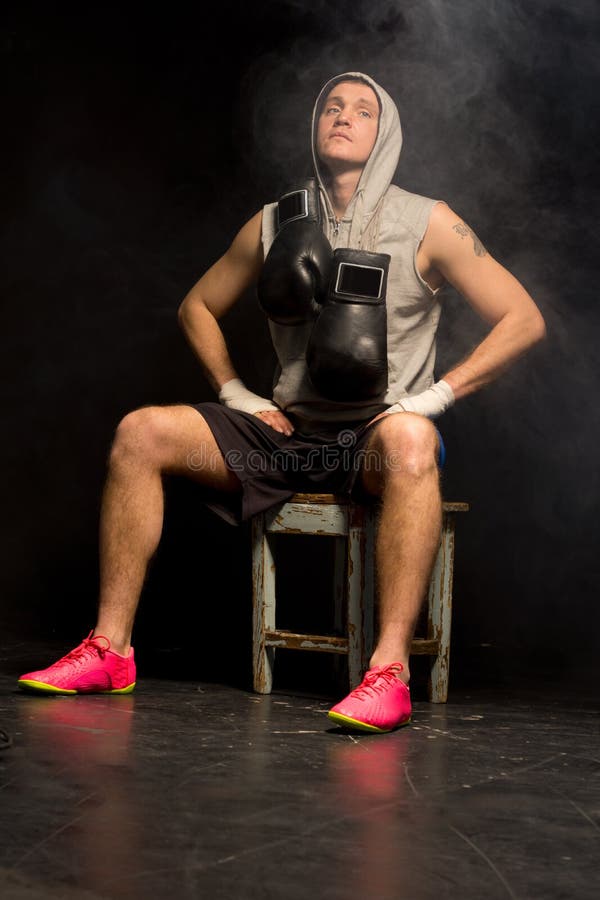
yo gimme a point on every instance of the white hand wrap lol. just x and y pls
(236, 395)
(430, 403)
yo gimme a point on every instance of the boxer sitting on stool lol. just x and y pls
(349, 268)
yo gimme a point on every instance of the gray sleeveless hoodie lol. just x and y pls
(384, 218)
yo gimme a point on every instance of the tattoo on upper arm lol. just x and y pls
(464, 232)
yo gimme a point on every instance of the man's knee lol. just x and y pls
(405, 444)
(141, 434)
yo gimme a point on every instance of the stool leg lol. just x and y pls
(355, 594)
(340, 562)
(440, 612)
(263, 606)
(339, 582)
(369, 588)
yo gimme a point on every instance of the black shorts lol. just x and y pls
(271, 466)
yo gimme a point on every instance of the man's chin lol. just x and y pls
(337, 164)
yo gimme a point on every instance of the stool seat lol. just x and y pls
(352, 525)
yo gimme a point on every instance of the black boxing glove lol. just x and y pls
(295, 274)
(347, 350)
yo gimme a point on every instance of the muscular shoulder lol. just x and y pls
(449, 240)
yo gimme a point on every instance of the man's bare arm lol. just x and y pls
(454, 250)
(214, 294)
(211, 297)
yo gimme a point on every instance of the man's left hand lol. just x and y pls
(276, 420)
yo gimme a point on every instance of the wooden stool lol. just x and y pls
(353, 527)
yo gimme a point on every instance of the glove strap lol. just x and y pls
(302, 202)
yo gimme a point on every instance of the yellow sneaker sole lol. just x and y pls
(340, 719)
(40, 688)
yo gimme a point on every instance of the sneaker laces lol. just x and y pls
(377, 680)
(89, 646)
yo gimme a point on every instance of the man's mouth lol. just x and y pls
(341, 134)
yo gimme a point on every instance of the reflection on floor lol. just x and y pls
(188, 789)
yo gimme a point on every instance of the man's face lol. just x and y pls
(347, 126)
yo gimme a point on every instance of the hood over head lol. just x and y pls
(379, 169)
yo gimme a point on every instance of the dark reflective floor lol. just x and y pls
(194, 790)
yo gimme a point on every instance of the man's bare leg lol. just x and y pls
(404, 473)
(149, 443)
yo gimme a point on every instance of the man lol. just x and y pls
(416, 244)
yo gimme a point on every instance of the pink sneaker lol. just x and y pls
(380, 703)
(91, 668)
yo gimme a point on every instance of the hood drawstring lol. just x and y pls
(356, 229)
(360, 238)
(370, 235)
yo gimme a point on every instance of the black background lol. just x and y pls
(136, 143)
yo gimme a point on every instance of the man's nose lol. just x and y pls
(342, 118)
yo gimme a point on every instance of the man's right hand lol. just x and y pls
(236, 395)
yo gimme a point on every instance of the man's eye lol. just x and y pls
(365, 113)
(331, 109)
